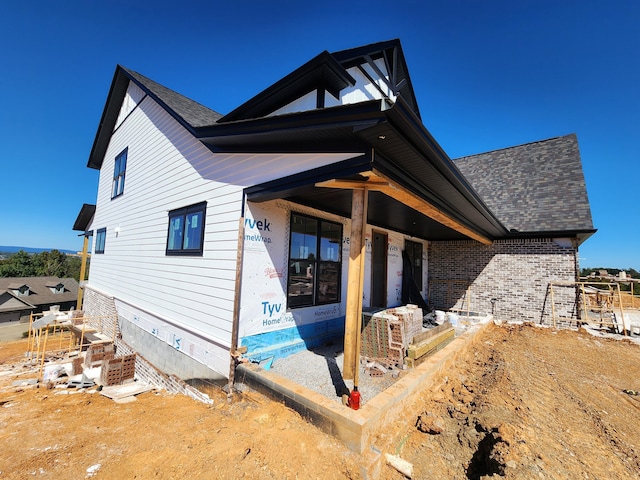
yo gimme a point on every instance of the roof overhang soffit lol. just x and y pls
(376, 181)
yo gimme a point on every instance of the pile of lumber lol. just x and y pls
(428, 343)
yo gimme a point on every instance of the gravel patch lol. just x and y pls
(320, 370)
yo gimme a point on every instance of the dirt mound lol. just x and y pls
(523, 402)
(532, 403)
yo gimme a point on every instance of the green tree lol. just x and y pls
(51, 264)
(73, 267)
(20, 264)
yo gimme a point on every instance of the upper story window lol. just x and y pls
(315, 262)
(101, 237)
(119, 171)
(414, 251)
(186, 230)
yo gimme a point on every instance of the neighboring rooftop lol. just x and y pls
(41, 289)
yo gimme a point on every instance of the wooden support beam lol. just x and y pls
(354, 184)
(353, 318)
(83, 269)
(378, 182)
(419, 204)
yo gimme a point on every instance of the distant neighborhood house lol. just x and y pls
(22, 296)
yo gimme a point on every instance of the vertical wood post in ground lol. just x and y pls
(83, 269)
(233, 354)
(353, 318)
(624, 331)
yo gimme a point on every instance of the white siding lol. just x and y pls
(363, 90)
(132, 98)
(194, 292)
(168, 169)
(304, 103)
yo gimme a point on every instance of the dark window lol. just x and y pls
(101, 236)
(315, 262)
(414, 250)
(119, 170)
(186, 230)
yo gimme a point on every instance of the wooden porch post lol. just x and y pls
(353, 318)
(83, 269)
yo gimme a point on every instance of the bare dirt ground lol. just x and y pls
(523, 403)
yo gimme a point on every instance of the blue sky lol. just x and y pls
(487, 75)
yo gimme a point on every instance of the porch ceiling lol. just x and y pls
(399, 197)
(332, 192)
(383, 211)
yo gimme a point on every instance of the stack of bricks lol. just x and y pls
(77, 317)
(382, 339)
(95, 354)
(115, 371)
(76, 366)
(411, 318)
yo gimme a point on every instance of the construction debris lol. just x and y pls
(395, 337)
(82, 382)
(96, 353)
(125, 393)
(117, 370)
(375, 369)
(400, 465)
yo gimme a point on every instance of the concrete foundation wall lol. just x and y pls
(100, 312)
(164, 357)
(509, 279)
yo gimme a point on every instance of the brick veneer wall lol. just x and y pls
(509, 278)
(98, 306)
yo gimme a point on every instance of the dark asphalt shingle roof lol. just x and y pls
(40, 294)
(535, 187)
(194, 113)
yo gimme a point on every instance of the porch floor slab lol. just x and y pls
(355, 428)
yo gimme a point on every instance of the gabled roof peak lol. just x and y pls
(328, 71)
(192, 113)
(189, 113)
(392, 54)
(322, 71)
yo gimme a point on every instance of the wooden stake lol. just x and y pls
(44, 347)
(585, 312)
(553, 306)
(624, 330)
